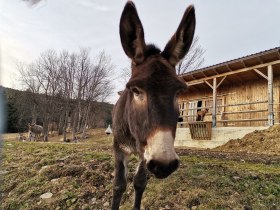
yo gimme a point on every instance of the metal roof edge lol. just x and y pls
(231, 61)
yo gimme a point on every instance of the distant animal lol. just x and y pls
(146, 114)
(201, 114)
(35, 131)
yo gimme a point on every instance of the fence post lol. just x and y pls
(214, 109)
(270, 95)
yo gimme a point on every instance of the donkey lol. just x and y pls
(37, 130)
(201, 114)
(146, 114)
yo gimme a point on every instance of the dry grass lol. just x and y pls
(79, 176)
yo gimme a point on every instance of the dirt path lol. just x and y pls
(236, 156)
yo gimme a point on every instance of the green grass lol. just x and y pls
(80, 177)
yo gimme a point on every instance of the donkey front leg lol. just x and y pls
(139, 182)
(120, 181)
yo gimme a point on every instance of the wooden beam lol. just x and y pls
(214, 109)
(229, 67)
(215, 70)
(208, 83)
(244, 64)
(270, 95)
(245, 103)
(247, 111)
(236, 71)
(260, 60)
(194, 83)
(278, 53)
(221, 81)
(260, 73)
(243, 120)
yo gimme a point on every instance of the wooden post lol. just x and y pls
(214, 109)
(270, 95)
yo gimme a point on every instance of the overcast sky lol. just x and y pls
(227, 29)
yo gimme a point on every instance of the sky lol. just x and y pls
(226, 29)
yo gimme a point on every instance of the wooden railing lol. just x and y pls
(231, 113)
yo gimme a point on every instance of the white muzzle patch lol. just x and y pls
(160, 147)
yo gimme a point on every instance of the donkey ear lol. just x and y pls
(181, 41)
(132, 34)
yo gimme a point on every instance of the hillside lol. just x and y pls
(23, 107)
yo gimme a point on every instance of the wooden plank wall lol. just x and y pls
(250, 92)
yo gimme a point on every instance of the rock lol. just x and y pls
(54, 180)
(46, 195)
(43, 168)
(167, 207)
(85, 206)
(93, 200)
(3, 172)
(106, 204)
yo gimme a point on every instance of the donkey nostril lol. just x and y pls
(162, 170)
(174, 165)
(151, 166)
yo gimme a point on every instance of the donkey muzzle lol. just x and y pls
(161, 170)
(160, 155)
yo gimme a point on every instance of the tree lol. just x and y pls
(193, 60)
(63, 86)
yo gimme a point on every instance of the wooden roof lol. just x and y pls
(240, 70)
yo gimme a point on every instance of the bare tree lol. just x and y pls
(193, 60)
(65, 85)
(42, 79)
(99, 86)
(67, 66)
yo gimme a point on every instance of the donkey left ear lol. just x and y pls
(179, 44)
(132, 34)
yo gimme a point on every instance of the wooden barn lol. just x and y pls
(240, 96)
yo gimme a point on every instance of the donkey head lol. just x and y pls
(153, 86)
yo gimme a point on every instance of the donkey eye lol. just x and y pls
(136, 91)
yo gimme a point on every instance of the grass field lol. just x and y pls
(79, 176)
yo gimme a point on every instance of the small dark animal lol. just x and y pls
(35, 130)
(201, 115)
(146, 114)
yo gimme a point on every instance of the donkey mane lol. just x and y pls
(151, 49)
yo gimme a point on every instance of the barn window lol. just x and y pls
(199, 105)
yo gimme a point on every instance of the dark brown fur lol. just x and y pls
(201, 115)
(148, 104)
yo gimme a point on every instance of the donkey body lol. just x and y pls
(34, 131)
(146, 114)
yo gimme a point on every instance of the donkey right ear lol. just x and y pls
(179, 44)
(132, 34)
